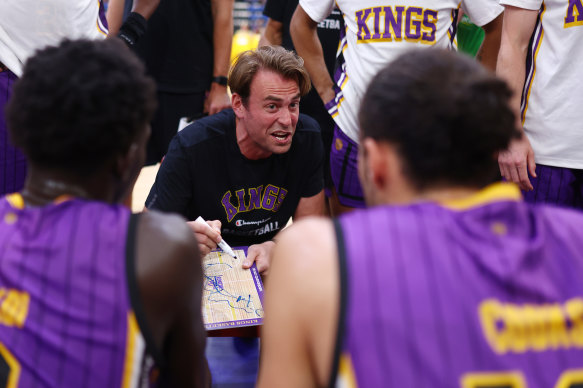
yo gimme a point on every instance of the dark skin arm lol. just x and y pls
(115, 12)
(169, 276)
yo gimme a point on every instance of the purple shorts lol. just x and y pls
(12, 161)
(556, 185)
(344, 171)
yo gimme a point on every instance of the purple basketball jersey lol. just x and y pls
(487, 292)
(65, 314)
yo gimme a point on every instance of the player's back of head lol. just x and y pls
(447, 115)
(79, 103)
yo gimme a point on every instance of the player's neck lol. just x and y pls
(43, 187)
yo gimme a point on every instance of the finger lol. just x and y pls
(205, 240)
(514, 177)
(531, 164)
(215, 224)
(201, 229)
(262, 266)
(523, 178)
(204, 250)
(251, 257)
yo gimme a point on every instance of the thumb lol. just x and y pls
(248, 262)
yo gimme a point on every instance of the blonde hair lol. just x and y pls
(273, 58)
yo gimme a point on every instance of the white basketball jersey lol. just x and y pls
(28, 25)
(552, 99)
(377, 31)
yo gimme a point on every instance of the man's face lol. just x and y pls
(270, 116)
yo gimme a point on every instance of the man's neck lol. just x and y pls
(248, 146)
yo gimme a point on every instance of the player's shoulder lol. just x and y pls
(310, 243)
(207, 129)
(165, 237)
(307, 125)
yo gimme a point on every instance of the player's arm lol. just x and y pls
(304, 32)
(272, 34)
(222, 14)
(301, 308)
(311, 206)
(517, 28)
(132, 29)
(488, 53)
(169, 277)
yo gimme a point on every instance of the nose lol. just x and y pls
(285, 117)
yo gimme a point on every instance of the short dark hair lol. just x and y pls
(273, 58)
(79, 103)
(447, 116)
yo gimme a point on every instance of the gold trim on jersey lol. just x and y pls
(134, 353)
(15, 200)
(536, 50)
(13, 364)
(492, 193)
(346, 377)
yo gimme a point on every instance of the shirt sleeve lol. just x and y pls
(532, 5)
(274, 9)
(317, 10)
(314, 165)
(172, 189)
(482, 12)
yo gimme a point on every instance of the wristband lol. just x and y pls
(221, 80)
(132, 29)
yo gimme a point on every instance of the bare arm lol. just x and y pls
(272, 34)
(305, 37)
(488, 53)
(169, 277)
(146, 7)
(222, 13)
(114, 16)
(297, 341)
(517, 29)
(311, 206)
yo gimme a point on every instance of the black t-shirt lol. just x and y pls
(204, 174)
(178, 46)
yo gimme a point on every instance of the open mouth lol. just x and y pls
(281, 137)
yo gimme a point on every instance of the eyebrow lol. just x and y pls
(273, 98)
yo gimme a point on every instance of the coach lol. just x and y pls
(252, 167)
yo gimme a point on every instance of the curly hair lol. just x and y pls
(447, 116)
(79, 103)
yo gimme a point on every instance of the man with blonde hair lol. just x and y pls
(251, 167)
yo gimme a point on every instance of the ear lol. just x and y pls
(237, 104)
(376, 169)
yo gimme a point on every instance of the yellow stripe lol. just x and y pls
(15, 199)
(129, 363)
(493, 193)
(346, 378)
(13, 364)
(540, 43)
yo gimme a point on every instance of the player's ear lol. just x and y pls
(375, 163)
